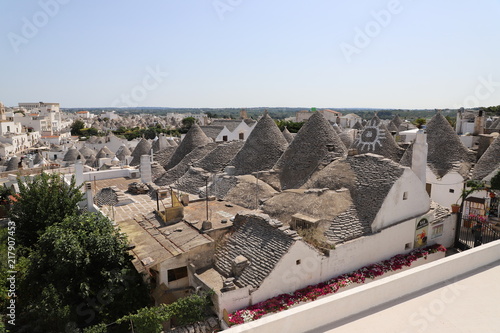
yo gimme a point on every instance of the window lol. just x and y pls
(242, 136)
(177, 273)
(437, 231)
(297, 262)
(224, 138)
(452, 190)
(407, 246)
(405, 195)
(428, 188)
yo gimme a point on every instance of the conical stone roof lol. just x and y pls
(156, 146)
(87, 152)
(397, 121)
(164, 155)
(392, 127)
(346, 139)
(489, 162)
(142, 148)
(13, 163)
(123, 152)
(314, 141)
(220, 157)
(105, 152)
(495, 125)
(72, 155)
(445, 147)
(194, 138)
(358, 126)
(262, 148)
(288, 136)
(38, 158)
(375, 138)
(91, 161)
(173, 174)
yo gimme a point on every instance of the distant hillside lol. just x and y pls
(274, 112)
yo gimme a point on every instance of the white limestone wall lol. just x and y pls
(232, 300)
(224, 132)
(467, 140)
(242, 128)
(395, 208)
(440, 191)
(290, 275)
(367, 250)
(107, 174)
(448, 237)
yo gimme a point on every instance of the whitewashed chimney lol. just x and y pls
(146, 175)
(419, 156)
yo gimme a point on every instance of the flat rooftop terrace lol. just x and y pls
(154, 241)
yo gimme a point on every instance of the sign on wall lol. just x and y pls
(421, 232)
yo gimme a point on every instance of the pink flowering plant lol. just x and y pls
(312, 292)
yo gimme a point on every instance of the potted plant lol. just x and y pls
(470, 187)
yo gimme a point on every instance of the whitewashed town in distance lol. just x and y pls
(253, 210)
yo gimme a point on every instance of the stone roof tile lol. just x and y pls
(194, 138)
(313, 142)
(445, 147)
(259, 242)
(262, 148)
(489, 161)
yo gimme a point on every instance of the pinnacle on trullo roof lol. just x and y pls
(288, 136)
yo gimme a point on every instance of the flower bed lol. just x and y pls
(311, 293)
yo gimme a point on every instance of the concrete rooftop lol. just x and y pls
(469, 303)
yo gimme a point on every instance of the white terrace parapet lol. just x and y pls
(338, 307)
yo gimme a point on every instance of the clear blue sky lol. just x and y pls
(244, 53)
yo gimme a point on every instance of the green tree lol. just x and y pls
(83, 264)
(451, 120)
(419, 122)
(150, 133)
(184, 311)
(292, 126)
(188, 122)
(76, 127)
(42, 201)
(91, 131)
